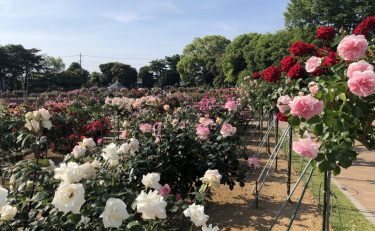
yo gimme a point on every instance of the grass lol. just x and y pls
(344, 215)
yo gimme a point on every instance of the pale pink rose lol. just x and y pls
(306, 147)
(230, 105)
(100, 140)
(352, 47)
(313, 63)
(305, 106)
(145, 128)
(253, 162)
(165, 190)
(362, 83)
(228, 130)
(359, 66)
(203, 132)
(124, 134)
(166, 107)
(206, 121)
(283, 103)
(313, 88)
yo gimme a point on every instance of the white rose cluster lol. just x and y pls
(211, 178)
(198, 217)
(7, 212)
(74, 173)
(112, 151)
(38, 119)
(80, 149)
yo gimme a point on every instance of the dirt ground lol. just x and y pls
(232, 209)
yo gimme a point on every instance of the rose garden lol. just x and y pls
(156, 158)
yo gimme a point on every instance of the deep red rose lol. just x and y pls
(366, 26)
(330, 59)
(302, 48)
(325, 33)
(296, 72)
(319, 71)
(281, 117)
(321, 52)
(287, 62)
(271, 74)
(256, 75)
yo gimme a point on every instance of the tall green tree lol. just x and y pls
(344, 14)
(146, 76)
(121, 72)
(201, 61)
(165, 70)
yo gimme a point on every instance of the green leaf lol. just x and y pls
(294, 121)
(132, 224)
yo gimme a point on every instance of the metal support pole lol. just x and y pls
(327, 199)
(256, 195)
(276, 134)
(289, 159)
(270, 115)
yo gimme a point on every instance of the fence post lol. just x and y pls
(327, 200)
(289, 159)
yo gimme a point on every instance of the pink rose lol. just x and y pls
(230, 105)
(228, 130)
(203, 132)
(206, 121)
(313, 88)
(362, 83)
(253, 162)
(166, 107)
(145, 128)
(352, 47)
(359, 66)
(165, 190)
(306, 147)
(124, 134)
(313, 63)
(283, 103)
(305, 106)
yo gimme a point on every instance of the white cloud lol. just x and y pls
(129, 17)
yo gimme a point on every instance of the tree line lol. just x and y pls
(211, 60)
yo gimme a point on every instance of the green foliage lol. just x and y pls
(146, 76)
(123, 73)
(165, 71)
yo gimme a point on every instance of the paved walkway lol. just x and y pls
(358, 183)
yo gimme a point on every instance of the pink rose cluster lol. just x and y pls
(306, 147)
(352, 47)
(230, 105)
(361, 78)
(203, 132)
(228, 130)
(305, 106)
(145, 128)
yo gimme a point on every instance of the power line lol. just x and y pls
(105, 57)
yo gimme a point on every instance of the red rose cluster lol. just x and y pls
(256, 75)
(366, 26)
(325, 33)
(302, 48)
(330, 59)
(296, 72)
(287, 62)
(271, 74)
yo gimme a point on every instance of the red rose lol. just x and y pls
(321, 52)
(366, 26)
(281, 117)
(271, 74)
(287, 62)
(319, 71)
(330, 59)
(325, 33)
(302, 48)
(256, 75)
(296, 72)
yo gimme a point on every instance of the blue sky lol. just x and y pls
(134, 31)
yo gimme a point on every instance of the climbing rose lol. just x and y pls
(165, 190)
(211, 177)
(114, 213)
(305, 106)
(69, 198)
(196, 214)
(283, 103)
(287, 62)
(151, 180)
(306, 147)
(364, 27)
(313, 63)
(352, 47)
(360, 66)
(302, 48)
(271, 74)
(228, 130)
(203, 132)
(151, 205)
(325, 33)
(362, 83)
(296, 72)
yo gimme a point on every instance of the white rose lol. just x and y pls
(114, 213)
(3, 196)
(69, 173)
(126, 124)
(151, 205)
(69, 198)
(37, 115)
(88, 143)
(110, 154)
(8, 212)
(32, 125)
(133, 145)
(78, 151)
(95, 163)
(88, 170)
(211, 177)
(210, 228)
(29, 116)
(47, 124)
(196, 214)
(44, 113)
(151, 180)
(124, 148)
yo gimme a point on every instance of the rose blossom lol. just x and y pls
(230, 105)
(210, 228)
(78, 151)
(151, 180)
(151, 205)
(196, 214)
(203, 132)
(165, 190)
(206, 121)
(361, 66)
(69, 173)
(88, 143)
(301, 48)
(313, 88)
(313, 63)
(352, 47)
(88, 170)
(281, 117)
(145, 128)
(8, 213)
(271, 74)
(228, 130)
(362, 83)
(296, 71)
(114, 213)
(166, 107)
(211, 177)
(306, 147)
(69, 198)
(133, 145)
(287, 62)
(283, 103)
(325, 33)
(253, 162)
(3, 196)
(305, 106)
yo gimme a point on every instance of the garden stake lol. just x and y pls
(276, 133)
(256, 195)
(289, 159)
(326, 200)
(270, 115)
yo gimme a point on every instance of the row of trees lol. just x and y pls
(210, 60)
